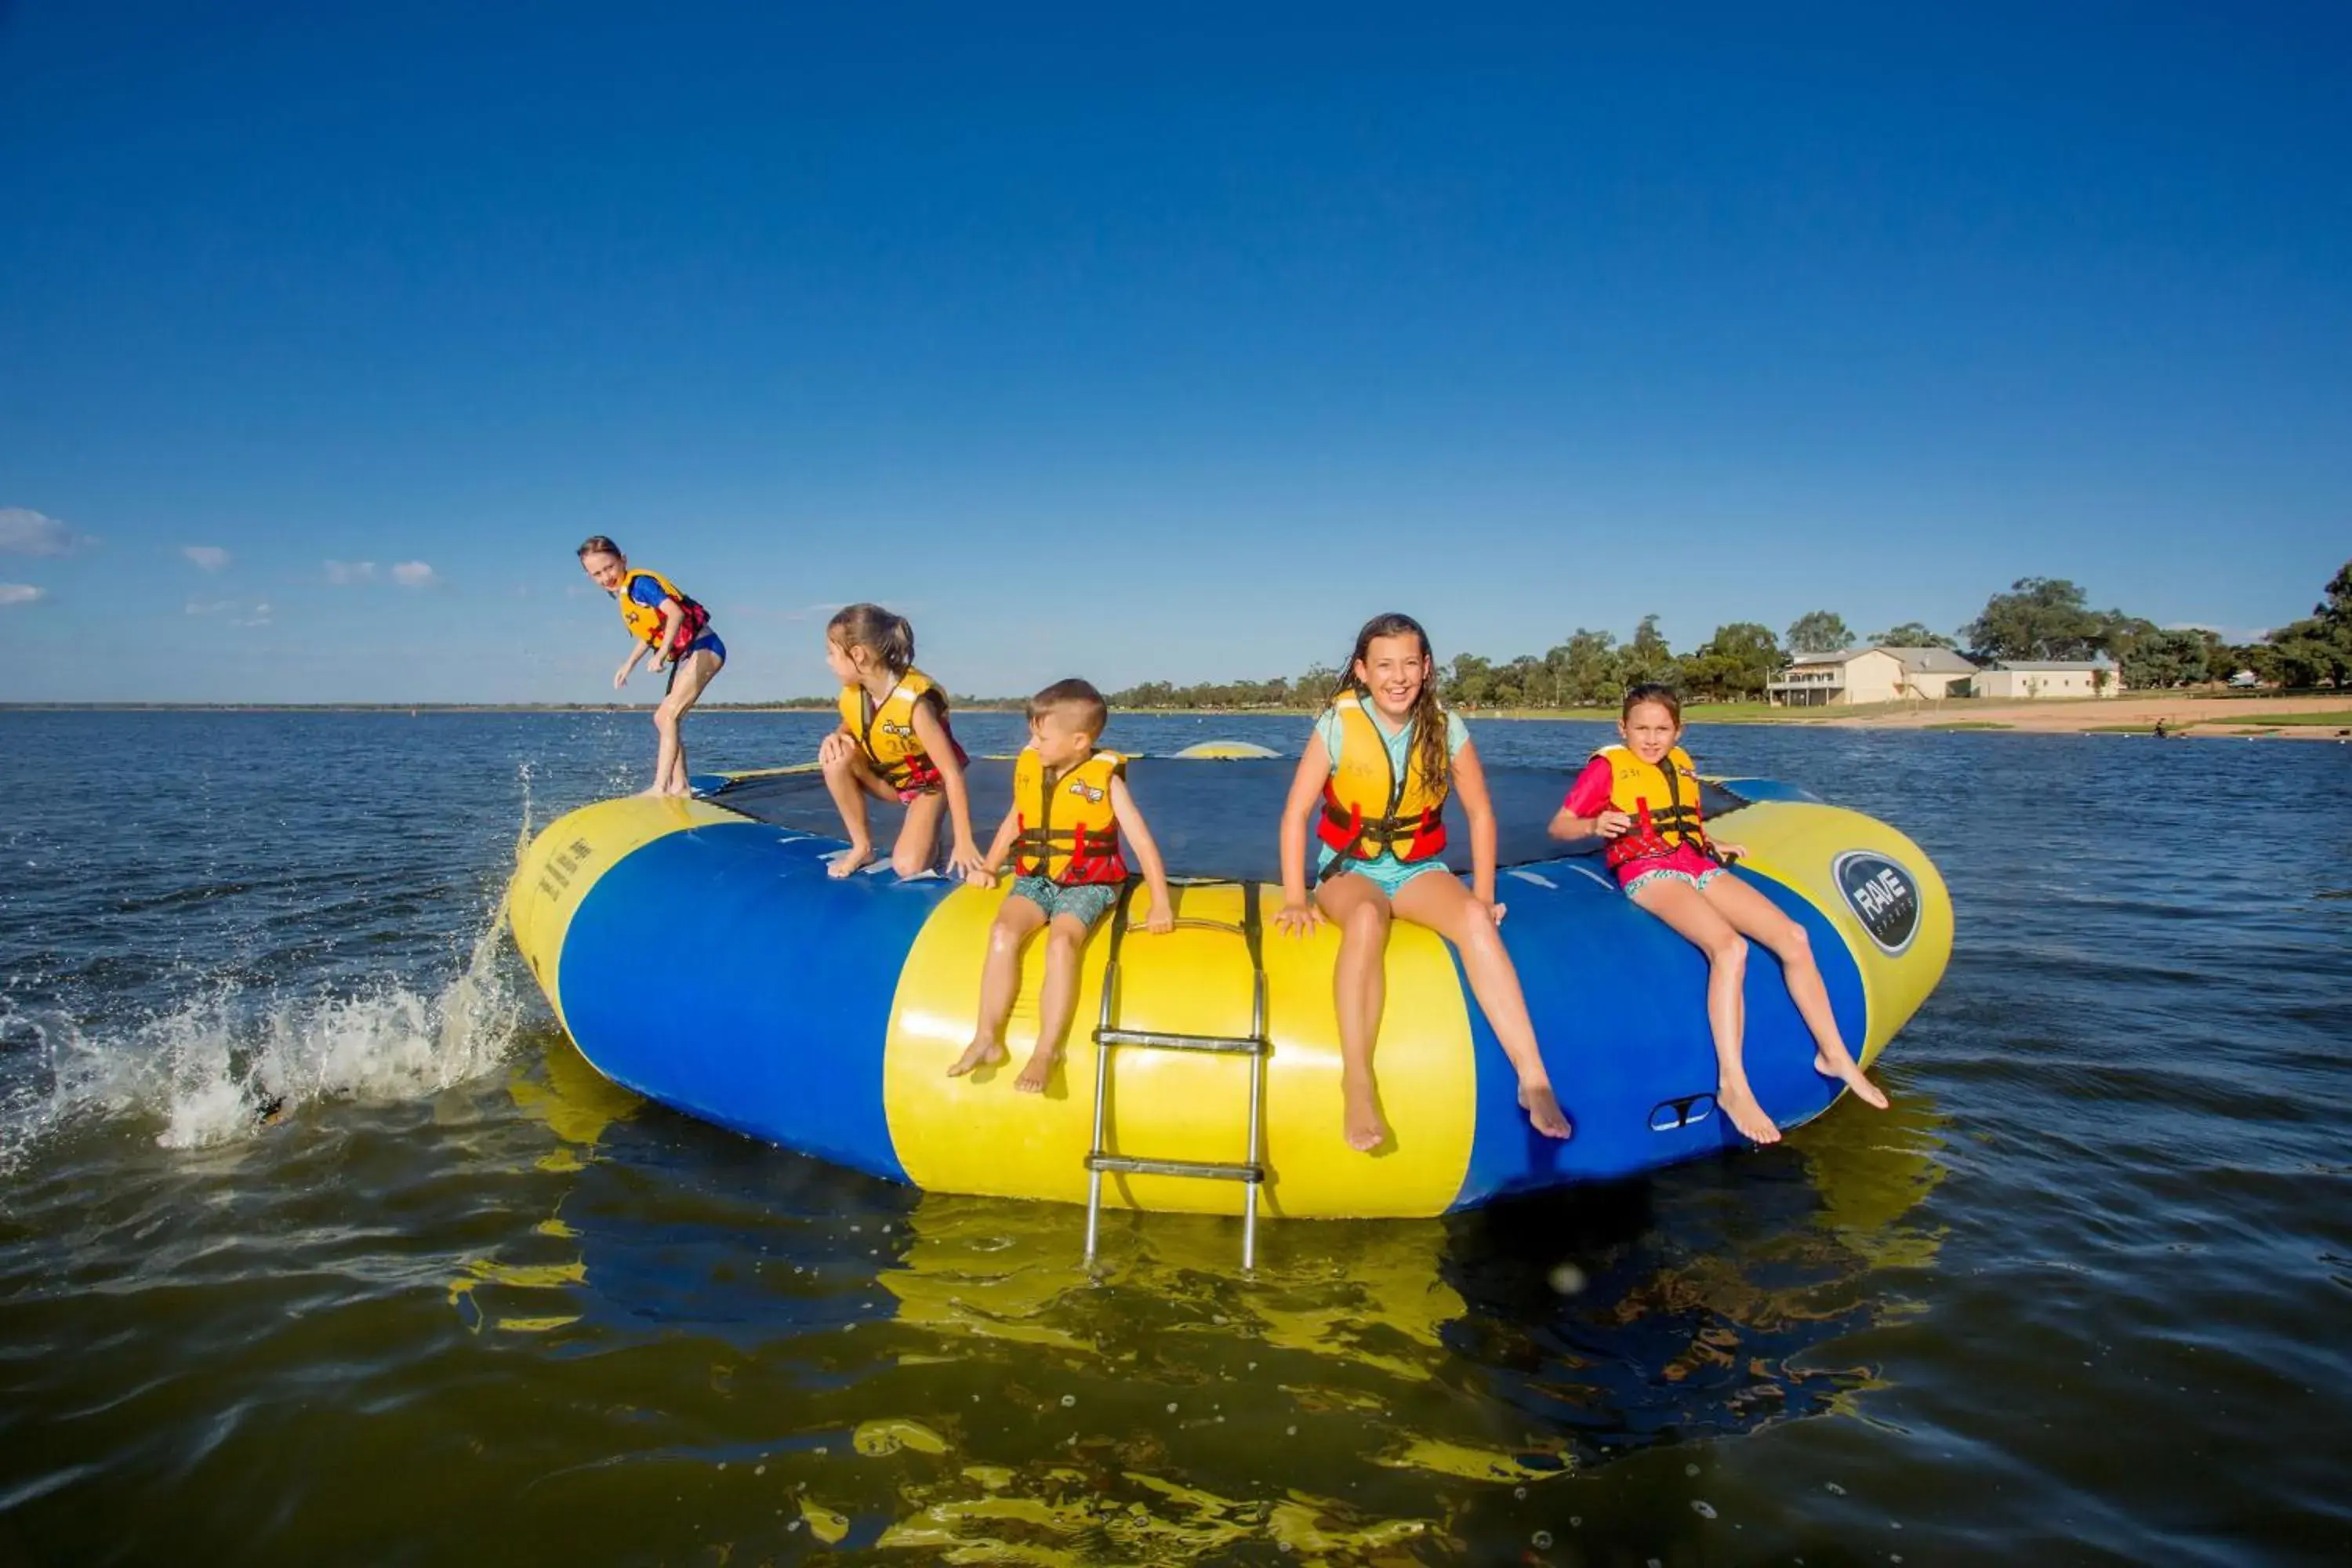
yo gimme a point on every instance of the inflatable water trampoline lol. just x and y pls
(697, 953)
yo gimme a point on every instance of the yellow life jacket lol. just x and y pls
(1660, 797)
(646, 621)
(886, 732)
(1068, 834)
(1366, 807)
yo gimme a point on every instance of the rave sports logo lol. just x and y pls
(1882, 895)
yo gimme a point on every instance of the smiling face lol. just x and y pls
(1651, 731)
(1060, 739)
(604, 569)
(1393, 670)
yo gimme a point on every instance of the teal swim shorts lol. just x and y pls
(1084, 902)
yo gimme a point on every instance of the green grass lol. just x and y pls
(2339, 719)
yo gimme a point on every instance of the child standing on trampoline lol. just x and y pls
(894, 743)
(1643, 797)
(1070, 804)
(1381, 762)
(676, 631)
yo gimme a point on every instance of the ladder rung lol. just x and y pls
(1229, 1045)
(1207, 1170)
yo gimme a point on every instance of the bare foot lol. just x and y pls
(1035, 1071)
(1739, 1104)
(981, 1053)
(1543, 1109)
(1364, 1128)
(850, 861)
(1851, 1076)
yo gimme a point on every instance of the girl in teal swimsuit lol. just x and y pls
(1378, 769)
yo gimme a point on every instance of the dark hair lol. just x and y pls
(1428, 718)
(887, 637)
(1651, 691)
(597, 545)
(1093, 711)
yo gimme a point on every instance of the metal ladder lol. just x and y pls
(1251, 1171)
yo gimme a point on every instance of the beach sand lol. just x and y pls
(2204, 717)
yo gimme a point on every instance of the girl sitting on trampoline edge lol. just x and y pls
(1376, 773)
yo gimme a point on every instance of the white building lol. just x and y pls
(2050, 678)
(1861, 675)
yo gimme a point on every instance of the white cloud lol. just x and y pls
(257, 616)
(413, 574)
(341, 572)
(23, 532)
(20, 594)
(211, 557)
(210, 606)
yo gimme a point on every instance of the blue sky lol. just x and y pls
(1170, 345)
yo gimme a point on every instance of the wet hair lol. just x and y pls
(887, 637)
(1428, 718)
(1092, 712)
(1652, 691)
(597, 545)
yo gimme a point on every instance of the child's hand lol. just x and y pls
(1298, 920)
(832, 748)
(1162, 920)
(983, 878)
(969, 865)
(1727, 853)
(1495, 911)
(1613, 824)
(620, 676)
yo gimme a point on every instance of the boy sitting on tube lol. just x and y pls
(1070, 804)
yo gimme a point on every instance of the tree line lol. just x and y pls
(2036, 618)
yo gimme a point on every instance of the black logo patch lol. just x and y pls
(1882, 895)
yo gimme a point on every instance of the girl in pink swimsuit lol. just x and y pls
(1643, 797)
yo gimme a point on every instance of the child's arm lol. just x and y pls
(1299, 915)
(965, 856)
(1162, 916)
(1585, 811)
(673, 618)
(998, 846)
(837, 743)
(620, 676)
(1470, 784)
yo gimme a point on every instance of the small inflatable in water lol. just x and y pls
(699, 955)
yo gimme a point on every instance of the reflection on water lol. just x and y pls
(462, 1300)
(1007, 1407)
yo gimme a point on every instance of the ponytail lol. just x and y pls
(889, 638)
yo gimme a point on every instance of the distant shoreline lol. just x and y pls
(2318, 716)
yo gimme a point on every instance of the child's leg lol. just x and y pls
(1000, 981)
(686, 685)
(849, 779)
(1358, 906)
(917, 847)
(1436, 900)
(1685, 908)
(1066, 938)
(1754, 915)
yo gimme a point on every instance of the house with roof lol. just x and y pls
(1859, 675)
(2033, 678)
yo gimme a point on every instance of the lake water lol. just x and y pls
(2084, 1295)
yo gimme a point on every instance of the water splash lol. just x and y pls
(225, 1064)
